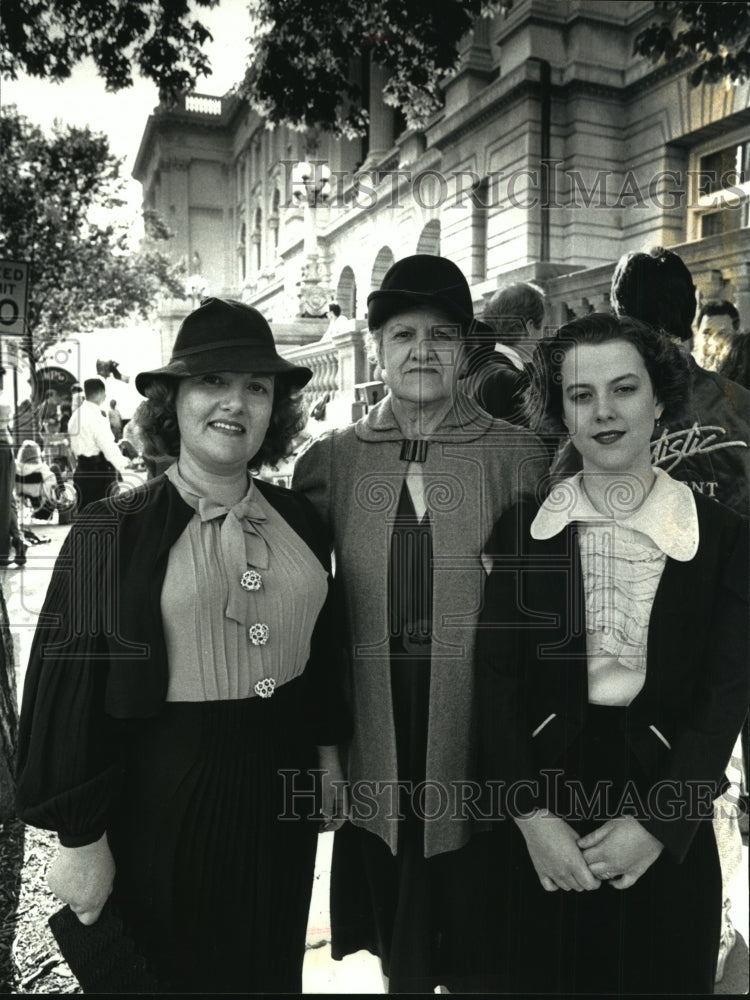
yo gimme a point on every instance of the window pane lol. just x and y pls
(725, 221)
(724, 166)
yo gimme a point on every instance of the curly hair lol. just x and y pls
(665, 363)
(156, 418)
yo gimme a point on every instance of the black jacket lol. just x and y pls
(99, 653)
(532, 670)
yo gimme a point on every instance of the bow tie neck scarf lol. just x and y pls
(241, 543)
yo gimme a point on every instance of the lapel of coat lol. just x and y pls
(553, 586)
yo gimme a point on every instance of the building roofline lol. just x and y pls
(206, 111)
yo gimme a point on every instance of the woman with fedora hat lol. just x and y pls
(183, 674)
(409, 494)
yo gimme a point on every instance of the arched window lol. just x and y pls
(383, 261)
(346, 293)
(429, 238)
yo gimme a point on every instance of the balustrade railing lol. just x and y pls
(323, 359)
(203, 104)
(718, 265)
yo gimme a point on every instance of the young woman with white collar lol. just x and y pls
(612, 671)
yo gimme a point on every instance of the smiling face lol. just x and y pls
(223, 418)
(421, 349)
(609, 406)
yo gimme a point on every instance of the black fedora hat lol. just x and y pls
(224, 335)
(424, 280)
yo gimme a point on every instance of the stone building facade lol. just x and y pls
(556, 151)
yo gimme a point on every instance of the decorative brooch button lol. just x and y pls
(258, 634)
(251, 580)
(266, 687)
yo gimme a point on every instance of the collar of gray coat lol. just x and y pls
(465, 420)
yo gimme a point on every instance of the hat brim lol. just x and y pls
(227, 360)
(382, 305)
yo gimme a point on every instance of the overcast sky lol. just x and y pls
(82, 100)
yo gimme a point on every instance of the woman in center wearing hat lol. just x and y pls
(185, 659)
(409, 493)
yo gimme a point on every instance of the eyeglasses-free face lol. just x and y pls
(223, 418)
(421, 351)
(609, 406)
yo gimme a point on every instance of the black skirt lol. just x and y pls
(659, 936)
(419, 915)
(214, 854)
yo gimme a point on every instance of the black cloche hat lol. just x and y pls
(424, 280)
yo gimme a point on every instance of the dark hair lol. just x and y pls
(92, 387)
(335, 308)
(656, 288)
(156, 419)
(716, 308)
(666, 364)
(736, 364)
(511, 308)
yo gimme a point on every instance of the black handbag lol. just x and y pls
(103, 956)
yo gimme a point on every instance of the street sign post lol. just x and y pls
(14, 288)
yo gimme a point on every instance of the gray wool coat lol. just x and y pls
(476, 467)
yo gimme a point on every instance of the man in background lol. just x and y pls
(717, 323)
(98, 459)
(516, 315)
(337, 322)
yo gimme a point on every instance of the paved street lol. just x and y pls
(24, 593)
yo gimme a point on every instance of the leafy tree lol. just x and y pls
(302, 65)
(717, 34)
(83, 272)
(301, 68)
(47, 38)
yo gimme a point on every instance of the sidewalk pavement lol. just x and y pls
(24, 591)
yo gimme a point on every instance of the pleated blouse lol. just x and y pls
(223, 639)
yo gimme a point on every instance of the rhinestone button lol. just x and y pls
(266, 687)
(251, 580)
(258, 634)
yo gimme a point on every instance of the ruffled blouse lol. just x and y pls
(238, 613)
(622, 561)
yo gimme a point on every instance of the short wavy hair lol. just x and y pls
(665, 363)
(156, 418)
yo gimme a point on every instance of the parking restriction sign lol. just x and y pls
(14, 286)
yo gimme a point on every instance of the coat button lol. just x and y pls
(265, 687)
(258, 634)
(251, 580)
